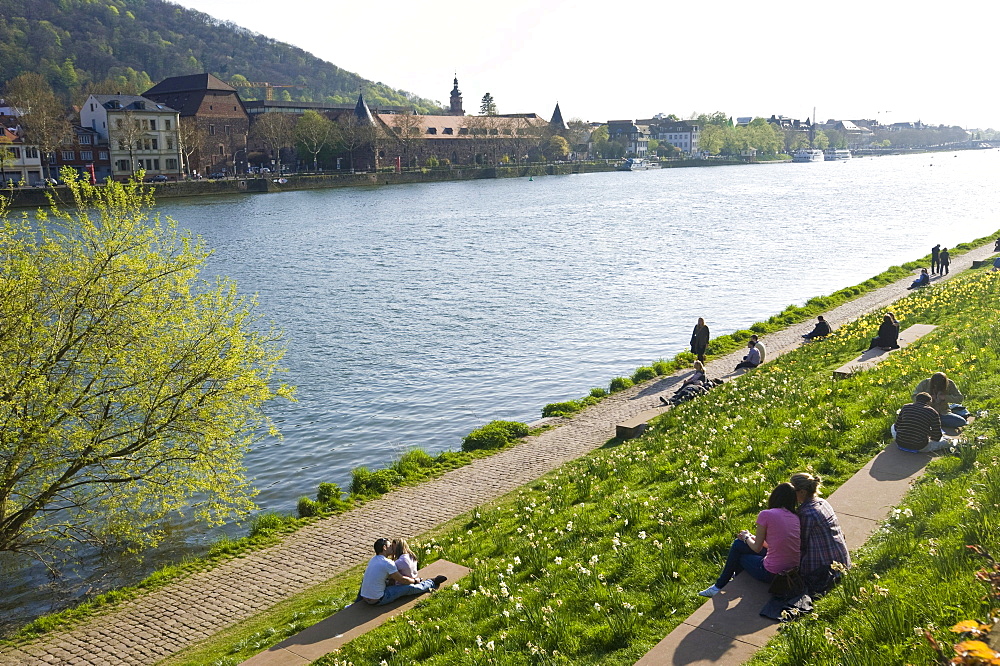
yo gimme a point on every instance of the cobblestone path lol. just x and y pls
(162, 622)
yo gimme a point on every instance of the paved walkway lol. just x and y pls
(165, 621)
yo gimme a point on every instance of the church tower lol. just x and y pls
(456, 101)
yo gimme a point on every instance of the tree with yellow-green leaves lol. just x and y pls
(129, 385)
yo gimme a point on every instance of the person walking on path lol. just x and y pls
(935, 258)
(699, 339)
(944, 261)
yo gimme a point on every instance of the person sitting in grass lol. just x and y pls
(820, 330)
(918, 427)
(752, 359)
(773, 550)
(945, 396)
(759, 346)
(823, 555)
(406, 561)
(888, 334)
(375, 589)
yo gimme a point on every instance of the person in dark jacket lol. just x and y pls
(922, 280)
(944, 261)
(888, 334)
(820, 330)
(936, 258)
(699, 339)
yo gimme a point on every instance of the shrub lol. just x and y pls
(413, 463)
(268, 523)
(306, 508)
(661, 368)
(432, 161)
(620, 384)
(561, 408)
(494, 435)
(366, 483)
(598, 392)
(329, 493)
(642, 374)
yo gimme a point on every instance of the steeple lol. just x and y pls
(557, 119)
(362, 112)
(456, 100)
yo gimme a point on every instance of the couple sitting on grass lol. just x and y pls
(392, 574)
(918, 426)
(808, 538)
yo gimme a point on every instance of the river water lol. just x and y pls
(416, 313)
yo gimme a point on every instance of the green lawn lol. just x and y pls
(599, 560)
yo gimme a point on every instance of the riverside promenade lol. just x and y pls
(165, 621)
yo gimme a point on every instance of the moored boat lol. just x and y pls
(808, 155)
(638, 164)
(835, 154)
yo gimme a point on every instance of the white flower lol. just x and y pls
(597, 606)
(558, 560)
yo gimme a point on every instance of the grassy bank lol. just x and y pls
(597, 561)
(416, 466)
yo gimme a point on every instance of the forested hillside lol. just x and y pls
(84, 46)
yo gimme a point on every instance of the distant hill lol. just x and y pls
(108, 46)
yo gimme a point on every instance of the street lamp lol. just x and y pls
(236, 163)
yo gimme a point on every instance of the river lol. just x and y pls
(416, 313)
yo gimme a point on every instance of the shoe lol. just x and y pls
(710, 591)
(664, 401)
(439, 580)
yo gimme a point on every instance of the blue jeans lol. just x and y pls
(742, 558)
(952, 420)
(393, 592)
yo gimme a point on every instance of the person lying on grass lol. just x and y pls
(375, 590)
(823, 555)
(773, 550)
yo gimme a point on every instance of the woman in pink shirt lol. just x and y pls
(773, 550)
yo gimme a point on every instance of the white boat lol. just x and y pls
(638, 164)
(808, 155)
(836, 154)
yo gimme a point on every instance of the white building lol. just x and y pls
(682, 134)
(21, 164)
(141, 134)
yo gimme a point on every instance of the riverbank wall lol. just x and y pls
(36, 197)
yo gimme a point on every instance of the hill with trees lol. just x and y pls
(108, 46)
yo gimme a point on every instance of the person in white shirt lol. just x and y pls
(381, 569)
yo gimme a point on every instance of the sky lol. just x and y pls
(888, 61)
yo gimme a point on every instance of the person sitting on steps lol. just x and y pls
(375, 590)
(945, 397)
(779, 526)
(888, 334)
(918, 427)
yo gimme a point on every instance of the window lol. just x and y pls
(85, 139)
(103, 155)
(448, 130)
(68, 156)
(211, 130)
(171, 164)
(432, 130)
(156, 165)
(166, 124)
(227, 130)
(170, 143)
(145, 123)
(155, 143)
(87, 155)
(122, 165)
(222, 149)
(17, 153)
(152, 124)
(118, 123)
